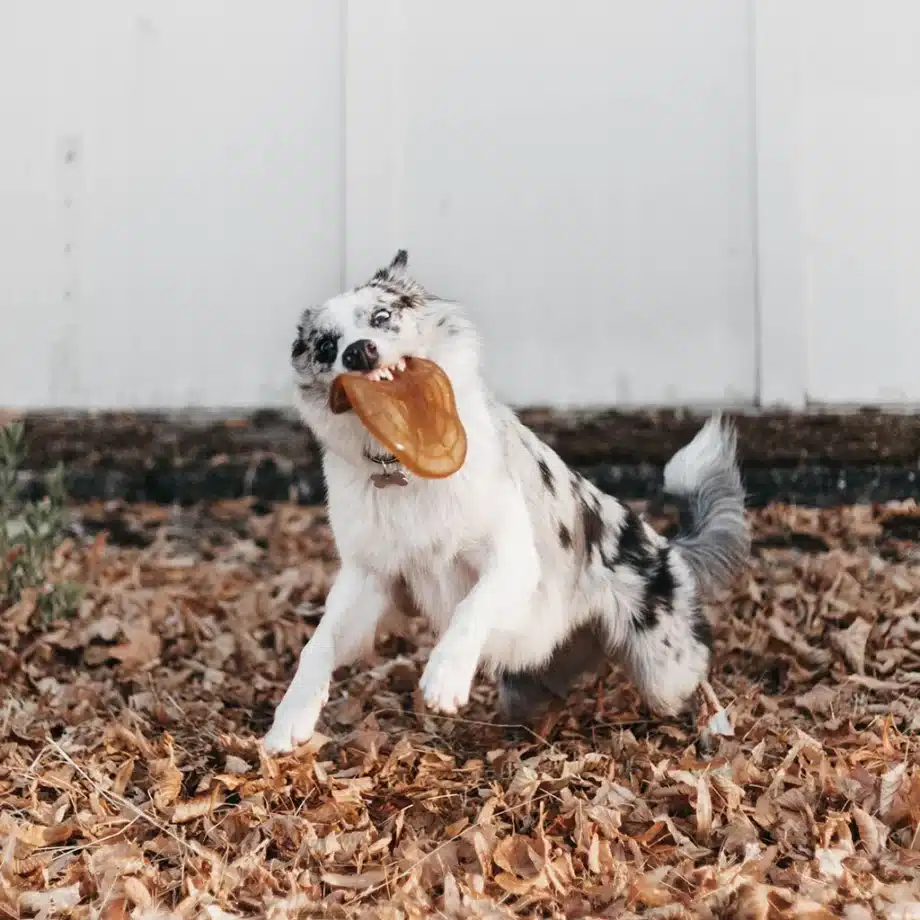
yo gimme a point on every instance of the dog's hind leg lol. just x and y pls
(523, 694)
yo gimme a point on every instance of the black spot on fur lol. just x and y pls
(592, 521)
(659, 591)
(450, 328)
(662, 584)
(632, 546)
(565, 536)
(546, 474)
(592, 525)
(576, 487)
(701, 628)
(299, 346)
(405, 302)
(651, 563)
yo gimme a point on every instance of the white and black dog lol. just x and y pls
(522, 566)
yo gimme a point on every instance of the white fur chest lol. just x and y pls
(392, 530)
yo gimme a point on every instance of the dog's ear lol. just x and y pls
(397, 267)
(396, 278)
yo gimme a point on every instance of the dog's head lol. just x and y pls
(369, 329)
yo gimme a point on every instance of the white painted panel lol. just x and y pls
(170, 195)
(580, 173)
(780, 238)
(858, 126)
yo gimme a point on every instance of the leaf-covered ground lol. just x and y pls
(132, 783)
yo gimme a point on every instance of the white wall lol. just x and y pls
(580, 173)
(170, 190)
(642, 203)
(839, 142)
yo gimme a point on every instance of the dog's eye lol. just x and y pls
(380, 317)
(326, 349)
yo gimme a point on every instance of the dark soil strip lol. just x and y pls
(814, 459)
(266, 480)
(767, 440)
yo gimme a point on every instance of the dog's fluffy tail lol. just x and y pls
(706, 474)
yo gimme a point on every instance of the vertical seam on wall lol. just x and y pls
(397, 142)
(755, 203)
(343, 197)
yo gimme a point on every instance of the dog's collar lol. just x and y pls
(381, 459)
(391, 471)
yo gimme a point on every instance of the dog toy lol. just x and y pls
(414, 416)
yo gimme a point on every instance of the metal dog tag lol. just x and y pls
(394, 478)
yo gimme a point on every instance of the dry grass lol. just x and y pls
(133, 785)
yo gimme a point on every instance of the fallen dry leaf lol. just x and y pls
(358, 882)
(521, 856)
(888, 787)
(135, 785)
(851, 642)
(167, 781)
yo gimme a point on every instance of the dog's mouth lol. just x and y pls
(388, 371)
(411, 414)
(338, 398)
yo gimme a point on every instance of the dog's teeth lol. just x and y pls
(386, 373)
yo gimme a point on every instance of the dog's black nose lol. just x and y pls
(360, 356)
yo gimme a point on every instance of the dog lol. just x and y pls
(522, 566)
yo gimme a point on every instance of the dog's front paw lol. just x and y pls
(294, 722)
(448, 678)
